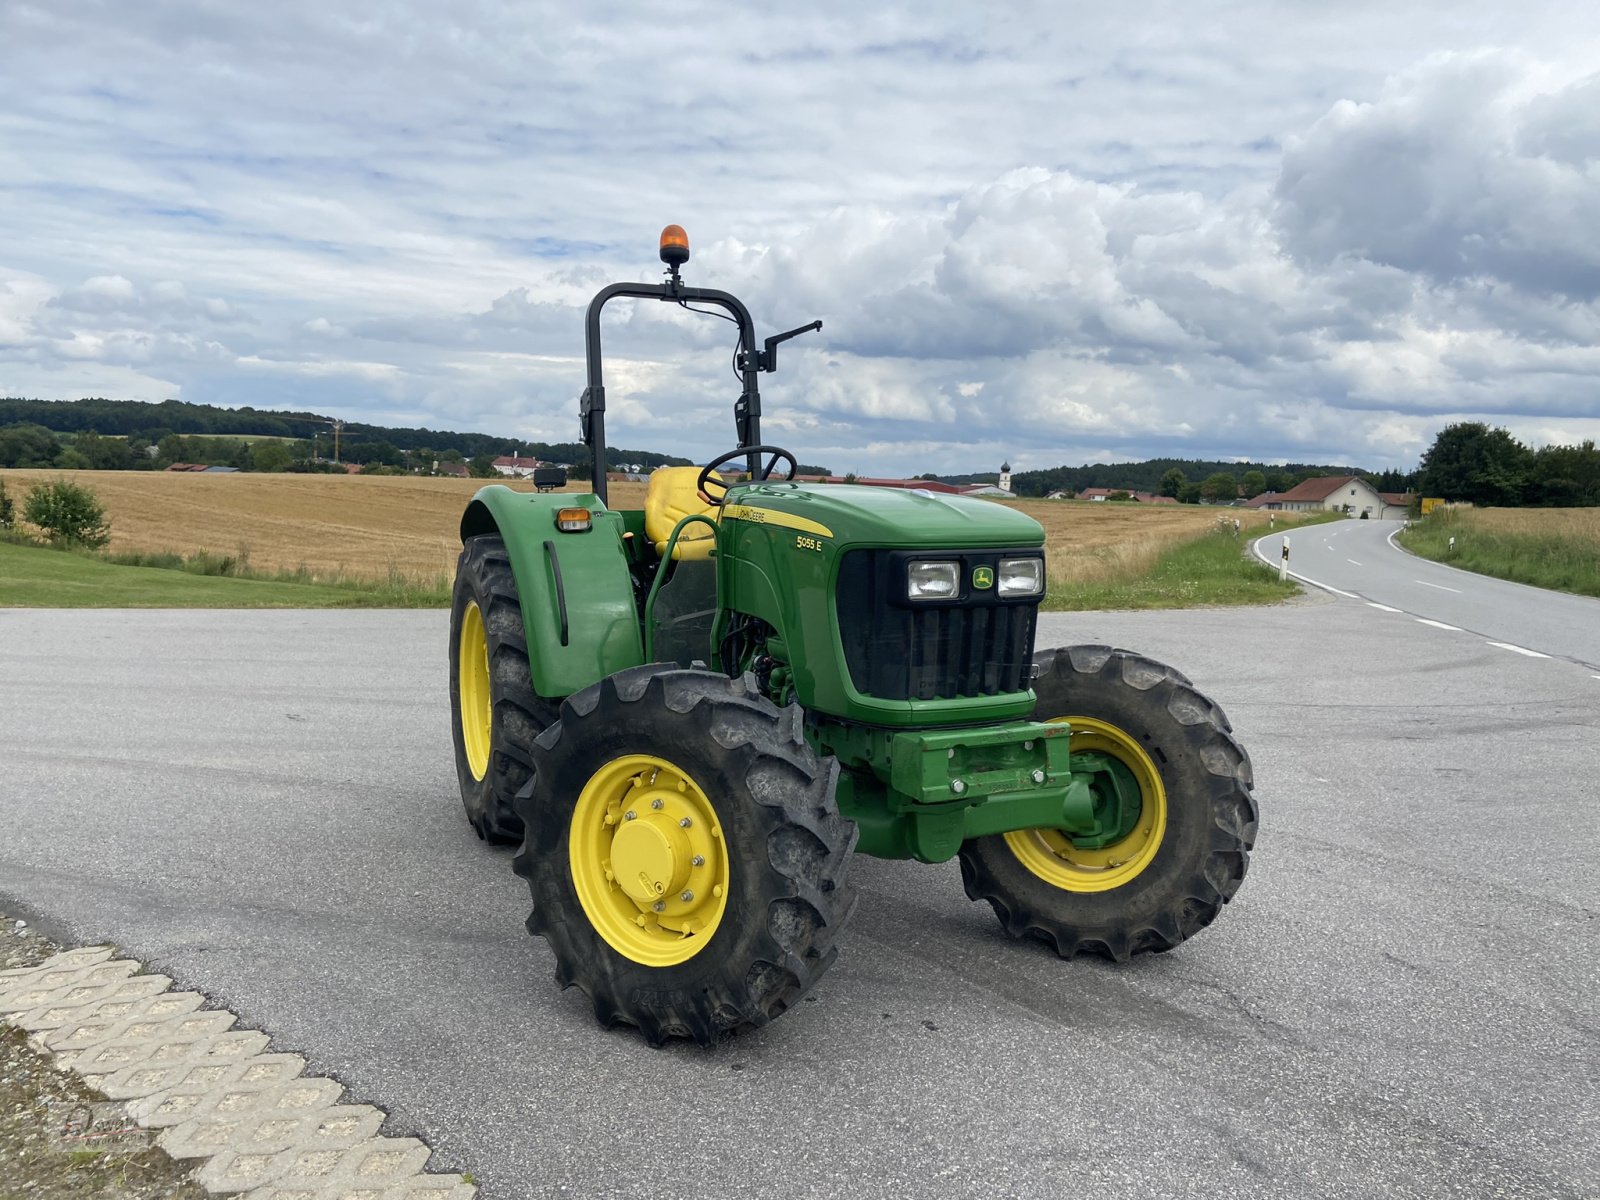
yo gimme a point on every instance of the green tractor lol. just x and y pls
(690, 717)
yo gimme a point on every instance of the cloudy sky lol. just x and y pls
(1056, 233)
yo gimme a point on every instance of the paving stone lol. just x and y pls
(127, 1069)
(336, 1127)
(111, 1001)
(68, 985)
(265, 1127)
(178, 1020)
(169, 1095)
(371, 1168)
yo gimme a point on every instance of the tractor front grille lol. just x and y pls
(898, 649)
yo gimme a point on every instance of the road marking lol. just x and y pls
(1256, 546)
(1384, 607)
(1518, 650)
(1352, 562)
(1440, 586)
(1437, 624)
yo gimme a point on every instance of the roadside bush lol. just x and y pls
(68, 514)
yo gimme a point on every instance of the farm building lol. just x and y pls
(1104, 493)
(1332, 493)
(515, 466)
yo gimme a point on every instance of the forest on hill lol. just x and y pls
(120, 434)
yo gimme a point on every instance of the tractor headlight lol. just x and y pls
(1021, 576)
(933, 580)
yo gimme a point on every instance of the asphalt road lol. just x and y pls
(1362, 560)
(1401, 1002)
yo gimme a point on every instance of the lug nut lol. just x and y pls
(656, 803)
(630, 815)
(686, 897)
(660, 906)
(699, 860)
(685, 823)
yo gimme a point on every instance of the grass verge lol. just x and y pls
(1557, 548)
(39, 577)
(1213, 569)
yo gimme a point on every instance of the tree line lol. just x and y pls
(118, 435)
(1469, 461)
(1193, 480)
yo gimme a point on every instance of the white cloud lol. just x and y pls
(1209, 229)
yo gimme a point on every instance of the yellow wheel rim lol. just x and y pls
(477, 706)
(1050, 854)
(649, 861)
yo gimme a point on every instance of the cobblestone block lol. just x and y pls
(177, 1091)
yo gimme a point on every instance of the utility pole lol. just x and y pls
(338, 427)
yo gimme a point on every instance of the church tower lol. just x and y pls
(1005, 477)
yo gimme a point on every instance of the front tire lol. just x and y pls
(495, 714)
(684, 853)
(1177, 859)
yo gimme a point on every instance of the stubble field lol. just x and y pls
(372, 525)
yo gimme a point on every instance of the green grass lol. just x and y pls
(1211, 570)
(40, 577)
(1548, 548)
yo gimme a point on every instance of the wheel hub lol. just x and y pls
(1130, 814)
(648, 860)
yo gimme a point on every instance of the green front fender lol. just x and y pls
(575, 590)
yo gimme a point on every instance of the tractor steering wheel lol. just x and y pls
(708, 479)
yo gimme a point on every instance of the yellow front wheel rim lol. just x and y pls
(477, 705)
(1050, 854)
(649, 860)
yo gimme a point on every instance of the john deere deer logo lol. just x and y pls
(983, 577)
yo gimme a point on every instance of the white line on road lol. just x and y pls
(1384, 607)
(1352, 562)
(1440, 586)
(1437, 624)
(1256, 546)
(1518, 649)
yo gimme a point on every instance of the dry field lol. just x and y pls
(373, 525)
(1576, 524)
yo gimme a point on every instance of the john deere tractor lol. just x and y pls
(691, 715)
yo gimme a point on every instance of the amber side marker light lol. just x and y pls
(674, 245)
(572, 520)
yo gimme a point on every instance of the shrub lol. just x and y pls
(8, 508)
(68, 513)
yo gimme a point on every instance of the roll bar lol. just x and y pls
(751, 362)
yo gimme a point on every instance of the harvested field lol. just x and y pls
(374, 525)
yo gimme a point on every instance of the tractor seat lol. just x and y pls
(671, 497)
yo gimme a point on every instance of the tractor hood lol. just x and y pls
(853, 514)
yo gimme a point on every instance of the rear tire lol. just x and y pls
(684, 853)
(493, 747)
(1177, 868)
